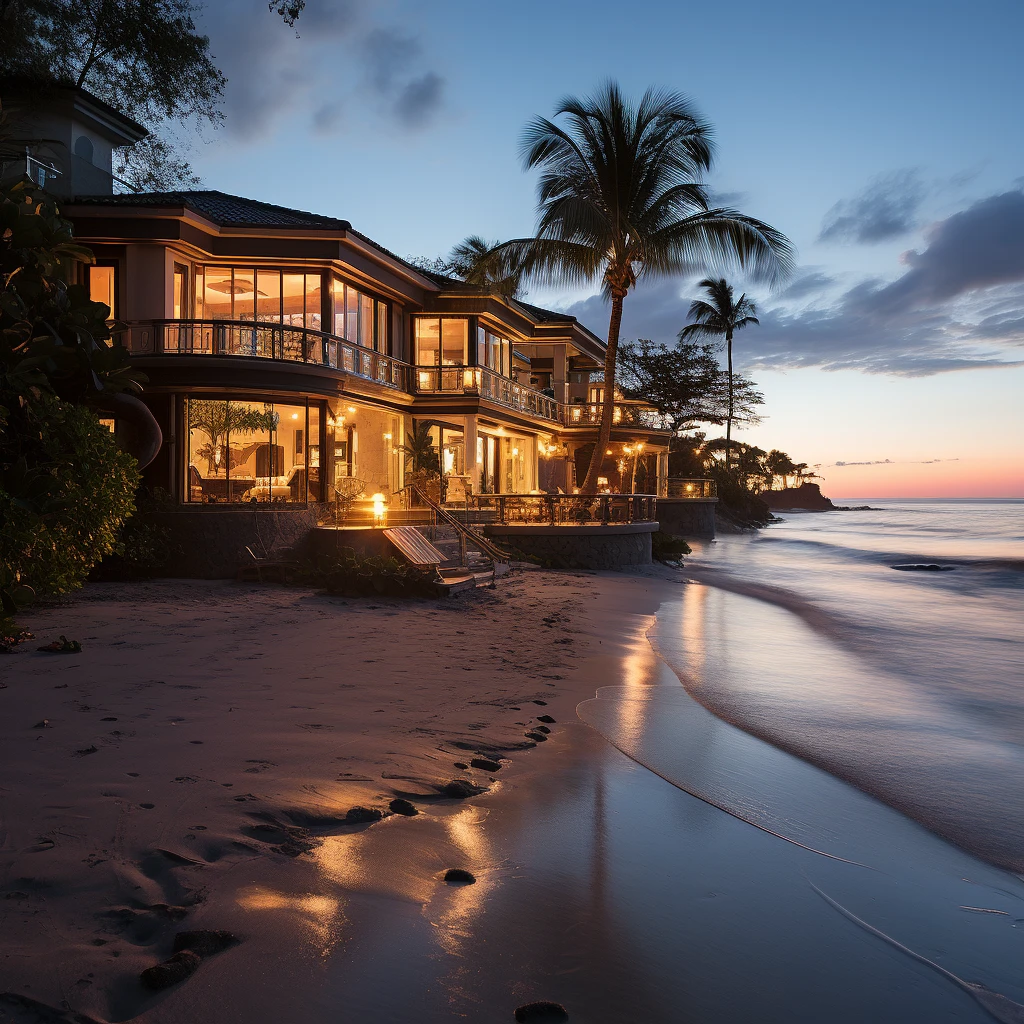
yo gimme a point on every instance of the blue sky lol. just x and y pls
(864, 131)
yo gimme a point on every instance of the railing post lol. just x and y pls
(604, 510)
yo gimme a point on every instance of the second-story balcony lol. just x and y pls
(271, 340)
(267, 340)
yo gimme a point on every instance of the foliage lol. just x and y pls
(720, 315)
(353, 575)
(153, 166)
(666, 548)
(736, 502)
(622, 196)
(52, 336)
(144, 548)
(487, 265)
(419, 450)
(65, 490)
(685, 383)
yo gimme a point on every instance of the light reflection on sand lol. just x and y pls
(320, 915)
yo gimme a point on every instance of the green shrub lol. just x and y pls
(65, 490)
(666, 548)
(353, 575)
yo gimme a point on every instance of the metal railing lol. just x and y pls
(633, 414)
(691, 487)
(567, 509)
(479, 380)
(266, 340)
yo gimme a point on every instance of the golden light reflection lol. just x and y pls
(639, 674)
(463, 903)
(322, 915)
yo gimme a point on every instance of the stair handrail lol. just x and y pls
(492, 550)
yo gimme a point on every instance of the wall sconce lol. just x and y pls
(608, 451)
(380, 511)
(471, 379)
(351, 408)
(387, 437)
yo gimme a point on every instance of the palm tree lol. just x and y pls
(720, 315)
(487, 265)
(621, 197)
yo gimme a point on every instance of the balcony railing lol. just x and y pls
(479, 380)
(566, 509)
(627, 414)
(264, 340)
(691, 487)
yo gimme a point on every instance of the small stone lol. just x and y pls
(485, 764)
(461, 765)
(460, 789)
(109, 718)
(544, 729)
(546, 718)
(170, 972)
(459, 876)
(537, 737)
(44, 724)
(205, 943)
(541, 1013)
(362, 815)
(399, 806)
(543, 702)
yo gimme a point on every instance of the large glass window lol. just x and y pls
(254, 452)
(102, 287)
(441, 342)
(245, 293)
(359, 318)
(494, 352)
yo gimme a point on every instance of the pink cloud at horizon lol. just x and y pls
(955, 478)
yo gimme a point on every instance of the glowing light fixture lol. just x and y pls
(380, 510)
(295, 415)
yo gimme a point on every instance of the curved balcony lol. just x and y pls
(265, 340)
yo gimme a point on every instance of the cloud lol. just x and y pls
(958, 305)
(890, 462)
(886, 208)
(338, 51)
(388, 55)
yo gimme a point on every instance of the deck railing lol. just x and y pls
(691, 487)
(265, 340)
(479, 380)
(567, 509)
(633, 414)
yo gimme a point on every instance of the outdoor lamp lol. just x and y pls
(380, 510)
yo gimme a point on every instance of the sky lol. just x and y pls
(883, 138)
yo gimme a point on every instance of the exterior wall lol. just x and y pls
(210, 542)
(688, 517)
(580, 547)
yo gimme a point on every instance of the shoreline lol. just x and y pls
(600, 884)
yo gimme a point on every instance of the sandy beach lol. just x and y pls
(208, 731)
(647, 861)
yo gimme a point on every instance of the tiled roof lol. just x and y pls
(546, 315)
(223, 209)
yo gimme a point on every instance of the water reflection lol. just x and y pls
(321, 916)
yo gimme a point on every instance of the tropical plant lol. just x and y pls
(219, 419)
(685, 384)
(486, 265)
(622, 197)
(419, 450)
(720, 316)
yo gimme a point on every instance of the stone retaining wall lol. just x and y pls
(688, 517)
(580, 547)
(210, 543)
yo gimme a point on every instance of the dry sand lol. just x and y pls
(210, 734)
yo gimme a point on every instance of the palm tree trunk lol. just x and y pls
(604, 432)
(728, 422)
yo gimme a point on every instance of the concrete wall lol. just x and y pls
(687, 517)
(211, 542)
(580, 547)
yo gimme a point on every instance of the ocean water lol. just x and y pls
(909, 685)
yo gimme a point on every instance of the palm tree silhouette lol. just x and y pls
(720, 315)
(621, 197)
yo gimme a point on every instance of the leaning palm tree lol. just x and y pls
(621, 197)
(720, 315)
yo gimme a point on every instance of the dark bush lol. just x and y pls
(353, 575)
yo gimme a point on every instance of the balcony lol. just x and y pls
(479, 380)
(626, 414)
(263, 340)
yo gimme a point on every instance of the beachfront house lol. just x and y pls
(291, 359)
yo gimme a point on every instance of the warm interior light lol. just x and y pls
(608, 451)
(295, 415)
(387, 437)
(351, 408)
(380, 509)
(689, 487)
(515, 451)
